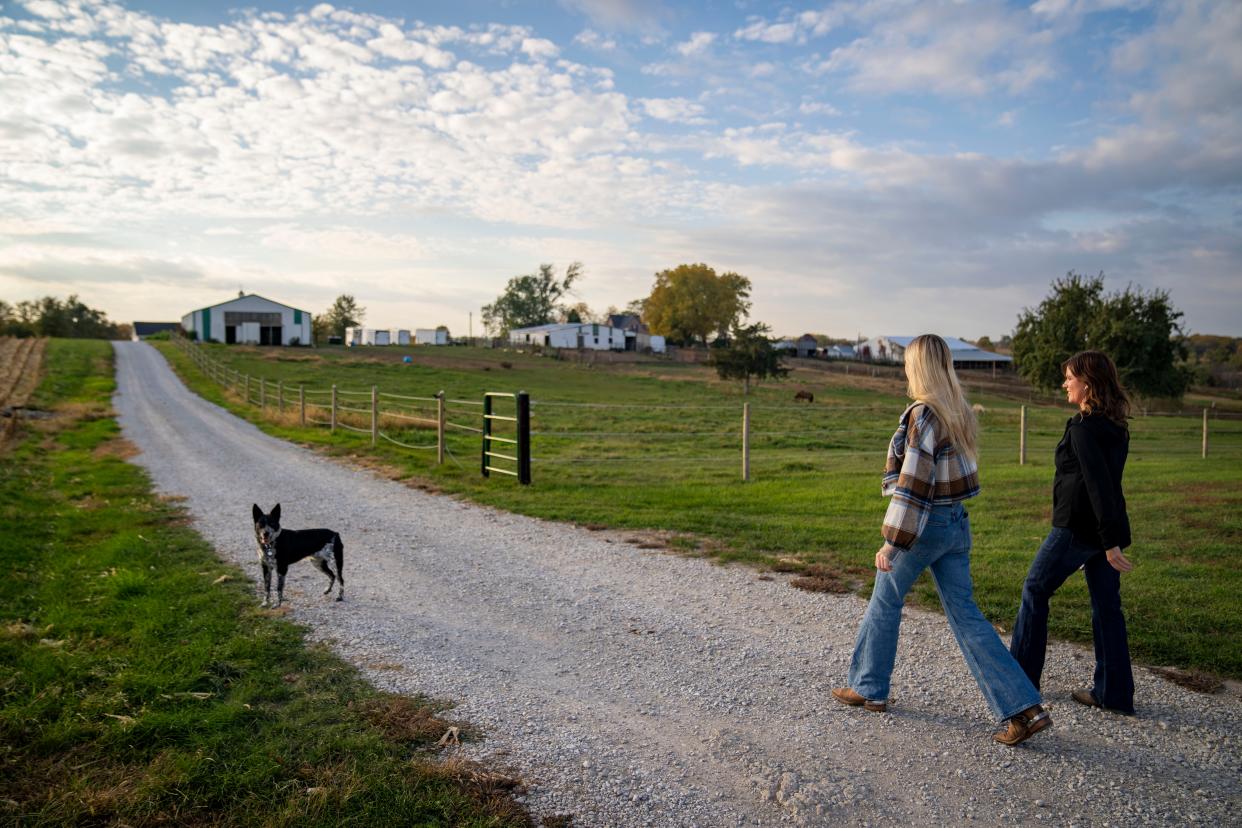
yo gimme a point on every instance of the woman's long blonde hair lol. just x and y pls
(932, 380)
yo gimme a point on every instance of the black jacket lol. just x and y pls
(1086, 492)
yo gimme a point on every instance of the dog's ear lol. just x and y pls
(276, 513)
(256, 512)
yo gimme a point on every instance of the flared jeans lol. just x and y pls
(944, 547)
(1060, 556)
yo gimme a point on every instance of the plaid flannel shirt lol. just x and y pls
(923, 470)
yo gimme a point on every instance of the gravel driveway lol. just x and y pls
(636, 688)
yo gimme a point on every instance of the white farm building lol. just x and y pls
(587, 335)
(249, 320)
(965, 355)
(430, 336)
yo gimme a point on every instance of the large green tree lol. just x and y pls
(344, 313)
(691, 302)
(1139, 330)
(533, 299)
(750, 353)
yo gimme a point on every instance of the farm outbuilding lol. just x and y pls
(965, 355)
(249, 319)
(431, 336)
(588, 336)
(840, 352)
(376, 336)
(806, 345)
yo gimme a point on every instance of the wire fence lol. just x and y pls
(601, 440)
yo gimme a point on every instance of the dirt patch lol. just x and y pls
(117, 447)
(1197, 680)
(402, 719)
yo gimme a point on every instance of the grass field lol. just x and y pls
(656, 446)
(139, 683)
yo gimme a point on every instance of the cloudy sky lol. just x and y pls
(874, 166)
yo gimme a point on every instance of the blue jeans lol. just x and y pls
(1059, 557)
(945, 547)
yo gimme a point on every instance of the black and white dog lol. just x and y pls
(280, 547)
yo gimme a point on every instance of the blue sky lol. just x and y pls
(874, 166)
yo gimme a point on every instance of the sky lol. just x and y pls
(874, 167)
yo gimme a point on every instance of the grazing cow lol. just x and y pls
(804, 395)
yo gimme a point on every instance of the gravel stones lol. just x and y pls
(633, 688)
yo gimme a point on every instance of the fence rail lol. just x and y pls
(772, 438)
(344, 410)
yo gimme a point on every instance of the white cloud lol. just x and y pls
(675, 110)
(698, 44)
(818, 108)
(592, 39)
(946, 48)
(539, 49)
(630, 15)
(768, 32)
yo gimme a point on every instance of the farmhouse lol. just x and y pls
(250, 320)
(638, 336)
(965, 355)
(587, 335)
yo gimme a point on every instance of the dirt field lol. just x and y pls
(21, 361)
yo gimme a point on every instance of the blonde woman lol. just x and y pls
(931, 470)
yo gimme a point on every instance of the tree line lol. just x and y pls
(69, 318)
(693, 304)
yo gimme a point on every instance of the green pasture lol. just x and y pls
(141, 685)
(657, 446)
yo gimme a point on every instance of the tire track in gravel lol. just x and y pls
(638, 688)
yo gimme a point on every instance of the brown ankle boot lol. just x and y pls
(1023, 726)
(845, 695)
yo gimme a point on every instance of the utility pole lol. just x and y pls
(470, 329)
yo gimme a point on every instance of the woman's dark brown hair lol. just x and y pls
(1104, 392)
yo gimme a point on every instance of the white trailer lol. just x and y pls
(399, 336)
(430, 336)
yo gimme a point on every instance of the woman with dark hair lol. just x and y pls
(1089, 529)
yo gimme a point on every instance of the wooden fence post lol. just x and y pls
(302, 403)
(332, 426)
(1022, 439)
(1205, 433)
(745, 442)
(440, 428)
(374, 416)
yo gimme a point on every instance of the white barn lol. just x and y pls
(249, 320)
(965, 355)
(587, 335)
